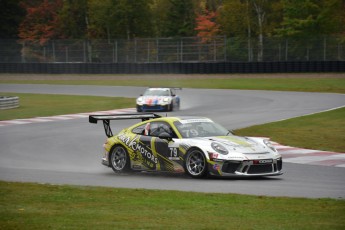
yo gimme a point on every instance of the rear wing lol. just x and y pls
(106, 119)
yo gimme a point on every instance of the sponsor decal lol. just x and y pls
(136, 167)
(195, 120)
(137, 146)
(266, 161)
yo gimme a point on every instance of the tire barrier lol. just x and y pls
(175, 68)
(9, 102)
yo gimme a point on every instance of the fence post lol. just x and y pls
(181, 51)
(286, 49)
(66, 53)
(157, 49)
(135, 50)
(84, 49)
(324, 48)
(225, 48)
(148, 50)
(23, 52)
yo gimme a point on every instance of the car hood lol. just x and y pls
(153, 99)
(239, 144)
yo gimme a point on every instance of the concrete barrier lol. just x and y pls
(9, 102)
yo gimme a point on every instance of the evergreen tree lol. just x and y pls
(11, 15)
(180, 21)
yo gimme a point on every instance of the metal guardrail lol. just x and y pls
(9, 102)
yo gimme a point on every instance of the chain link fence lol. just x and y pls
(173, 50)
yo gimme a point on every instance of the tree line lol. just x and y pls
(126, 19)
(39, 21)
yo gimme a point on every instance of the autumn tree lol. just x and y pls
(41, 22)
(206, 25)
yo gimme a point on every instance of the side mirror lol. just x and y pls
(230, 131)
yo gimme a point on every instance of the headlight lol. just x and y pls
(219, 148)
(140, 99)
(269, 145)
(166, 99)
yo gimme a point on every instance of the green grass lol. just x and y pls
(38, 105)
(33, 206)
(322, 131)
(331, 85)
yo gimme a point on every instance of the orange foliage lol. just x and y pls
(206, 25)
(41, 21)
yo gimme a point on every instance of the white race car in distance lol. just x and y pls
(158, 99)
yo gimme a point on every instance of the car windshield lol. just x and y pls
(200, 128)
(157, 92)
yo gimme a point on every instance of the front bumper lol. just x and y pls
(145, 108)
(105, 162)
(247, 168)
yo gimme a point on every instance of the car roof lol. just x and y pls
(183, 118)
(158, 88)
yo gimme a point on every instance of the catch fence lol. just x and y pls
(173, 50)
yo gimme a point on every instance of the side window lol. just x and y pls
(158, 128)
(139, 129)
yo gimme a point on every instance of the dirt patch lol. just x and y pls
(81, 77)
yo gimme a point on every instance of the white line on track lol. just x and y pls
(63, 117)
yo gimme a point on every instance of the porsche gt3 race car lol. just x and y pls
(158, 99)
(194, 145)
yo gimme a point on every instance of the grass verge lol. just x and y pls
(322, 131)
(330, 85)
(39, 105)
(33, 206)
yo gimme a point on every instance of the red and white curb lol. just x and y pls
(309, 156)
(64, 117)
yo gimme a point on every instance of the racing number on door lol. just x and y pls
(173, 154)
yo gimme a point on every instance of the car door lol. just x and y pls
(165, 149)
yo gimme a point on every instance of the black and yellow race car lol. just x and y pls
(194, 145)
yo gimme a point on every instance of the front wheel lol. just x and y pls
(119, 159)
(196, 164)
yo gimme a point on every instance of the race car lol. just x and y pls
(158, 99)
(194, 145)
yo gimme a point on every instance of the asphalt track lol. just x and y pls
(68, 152)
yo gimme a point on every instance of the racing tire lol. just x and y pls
(171, 106)
(119, 159)
(196, 164)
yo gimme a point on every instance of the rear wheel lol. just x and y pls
(119, 159)
(196, 164)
